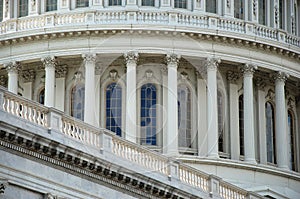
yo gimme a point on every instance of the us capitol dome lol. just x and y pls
(109, 99)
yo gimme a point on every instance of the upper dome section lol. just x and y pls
(274, 23)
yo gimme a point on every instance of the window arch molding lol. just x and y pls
(147, 74)
(193, 96)
(103, 85)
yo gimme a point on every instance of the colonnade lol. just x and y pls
(207, 101)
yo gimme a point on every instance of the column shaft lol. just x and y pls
(202, 121)
(12, 69)
(280, 121)
(49, 64)
(248, 114)
(212, 108)
(172, 120)
(131, 103)
(165, 108)
(89, 95)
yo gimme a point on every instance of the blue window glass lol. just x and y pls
(270, 130)
(114, 108)
(77, 102)
(23, 8)
(148, 114)
(51, 5)
(184, 116)
(42, 96)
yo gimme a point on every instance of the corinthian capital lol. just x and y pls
(280, 76)
(172, 59)
(248, 69)
(49, 61)
(131, 57)
(89, 58)
(13, 66)
(212, 63)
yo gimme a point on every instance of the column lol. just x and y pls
(261, 102)
(172, 115)
(165, 3)
(89, 95)
(28, 76)
(60, 75)
(212, 107)
(7, 10)
(12, 69)
(232, 77)
(249, 144)
(280, 121)
(131, 59)
(49, 64)
(33, 6)
(202, 120)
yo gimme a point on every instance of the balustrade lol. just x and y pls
(78, 130)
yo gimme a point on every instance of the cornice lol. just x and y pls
(85, 165)
(248, 41)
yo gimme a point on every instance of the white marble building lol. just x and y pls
(205, 94)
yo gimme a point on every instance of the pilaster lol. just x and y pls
(253, 10)
(63, 4)
(7, 9)
(232, 77)
(28, 76)
(228, 8)
(131, 59)
(249, 138)
(60, 75)
(33, 7)
(212, 107)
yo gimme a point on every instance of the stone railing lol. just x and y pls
(109, 143)
(155, 17)
(25, 109)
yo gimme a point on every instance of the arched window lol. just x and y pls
(77, 101)
(23, 8)
(82, 3)
(180, 3)
(1, 10)
(51, 5)
(41, 96)
(291, 138)
(211, 6)
(115, 2)
(220, 120)
(270, 133)
(148, 114)
(239, 9)
(114, 108)
(241, 124)
(147, 2)
(262, 12)
(295, 22)
(184, 116)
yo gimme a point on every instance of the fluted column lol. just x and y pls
(280, 121)
(131, 59)
(249, 137)
(202, 120)
(49, 64)
(232, 77)
(28, 77)
(172, 115)
(212, 107)
(12, 69)
(89, 91)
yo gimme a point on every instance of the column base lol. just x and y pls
(172, 154)
(213, 156)
(250, 161)
(284, 167)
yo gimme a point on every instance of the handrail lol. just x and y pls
(159, 17)
(140, 155)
